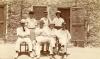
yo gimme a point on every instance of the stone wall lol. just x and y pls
(92, 19)
(92, 16)
(18, 9)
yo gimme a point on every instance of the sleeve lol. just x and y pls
(63, 20)
(56, 33)
(68, 35)
(36, 32)
(17, 30)
(54, 20)
(27, 21)
(28, 32)
(36, 23)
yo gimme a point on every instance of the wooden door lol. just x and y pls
(78, 26)
(65, 14)
(38, 11)
(2, 22)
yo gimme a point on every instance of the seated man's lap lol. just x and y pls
(42, 39)
(63, 41)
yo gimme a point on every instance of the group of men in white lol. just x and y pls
(34, 32)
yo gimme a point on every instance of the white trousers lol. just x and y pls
(63, 41)
(20, 40)
(41, 39)
(32, 34)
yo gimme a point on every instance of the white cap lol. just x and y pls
(23, 21)
(58, 11)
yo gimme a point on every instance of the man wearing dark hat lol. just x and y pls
(58, 20)
(31, 24)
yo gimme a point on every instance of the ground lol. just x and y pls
(7, 52)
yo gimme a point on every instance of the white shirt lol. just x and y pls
(20, 31)
(39, 31)
(50, 32)
(31, 23)
(63, 34)
(45, 20)
(58, 21)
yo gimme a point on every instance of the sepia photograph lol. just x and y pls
(49, 29)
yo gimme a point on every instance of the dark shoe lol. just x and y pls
(17, 51)
(37, 58)
(15, 58)
(66, 54)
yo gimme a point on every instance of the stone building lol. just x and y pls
(73, 11)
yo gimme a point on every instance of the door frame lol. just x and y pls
(4, 6)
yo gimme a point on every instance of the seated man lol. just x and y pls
(51, 36)
(63, 36)
(39, 34)
(23, 34)
(44, 34)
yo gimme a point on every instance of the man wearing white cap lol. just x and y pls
(31, 24)
(39, 31)
(23, 34)
(45, 19)
(51, 36)
(58, 20)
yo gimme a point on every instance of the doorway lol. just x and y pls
(2, 22)
(38, 11)
(65, 14)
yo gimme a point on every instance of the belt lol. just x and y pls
(31, 28)
(24, 37)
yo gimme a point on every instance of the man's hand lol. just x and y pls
(34, 42)
(27, 36)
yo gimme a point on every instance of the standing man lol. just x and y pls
(45, 19)
(31, 24)
(58, 20)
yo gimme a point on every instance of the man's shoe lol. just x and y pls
(17, 51)
(65, 56)
(37, 58)
(15, 58)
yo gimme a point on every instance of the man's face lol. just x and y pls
(58, 15)
(45, 14)
(31, 15)
(23, 24)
